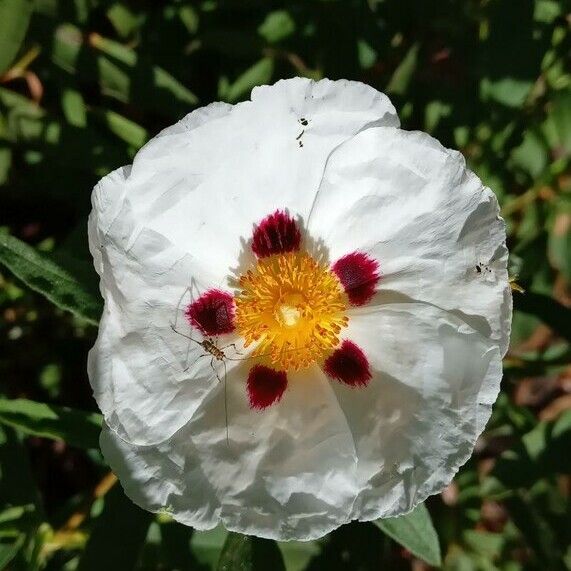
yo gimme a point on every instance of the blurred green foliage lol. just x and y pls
(84, 83)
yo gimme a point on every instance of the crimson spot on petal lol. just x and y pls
(276, 234)
(349, 365)
(212, 313)
(265, 386)
(359, 275)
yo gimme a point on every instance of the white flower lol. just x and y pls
(306, 309)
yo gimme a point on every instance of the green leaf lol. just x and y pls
(277, 26)
(74, 108)
(20, 503)
(14, 20)
(9, 549)
(245, 553)
(41, 273)
(402, 76)
(118, 535)
(542, 452)
(259, 74)
(77, 428)
(124, 128)
(415, 532)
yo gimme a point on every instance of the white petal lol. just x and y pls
(434, 333)
(287, 472)
(435, 379)
(181, 216)
(433, 227)
(327, 453)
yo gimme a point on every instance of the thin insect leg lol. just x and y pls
(225, 396)
(195, 361)
(185, 335)
(233, 345)
(226, 404)
(187, 289)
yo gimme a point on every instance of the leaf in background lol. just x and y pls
(42, 274)
(74, 108)
(277, 26)
(14, 20)
(402, 76)
(175, 544)
(123, 19)
(297, 554)
(19, 501)
(259, 74)
(508, 91)
(118, 535)
(550, 311)
(124, 128)
(206, 546)
(9, 548)
(544, 450)
(121, 73)
(75, 427)
(557, 126)
(559, 244)
(415, 532)
(245, 553)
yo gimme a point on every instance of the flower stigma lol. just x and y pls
(294, 307)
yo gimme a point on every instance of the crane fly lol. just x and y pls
(209, 344)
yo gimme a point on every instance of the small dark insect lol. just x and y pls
(304, 121)
(300, 144)
(483, 268)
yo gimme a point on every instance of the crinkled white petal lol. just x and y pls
(181, 216)
(178, 222)
(328, 453)
(433, 227)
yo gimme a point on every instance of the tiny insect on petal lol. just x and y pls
(212, 313)
(265, 386)
(348, 365)
(278, 233)
(359, 275)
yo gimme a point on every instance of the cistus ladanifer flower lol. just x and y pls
(306, 308)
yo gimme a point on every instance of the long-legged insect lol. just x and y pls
(216, 353)
(210, 347)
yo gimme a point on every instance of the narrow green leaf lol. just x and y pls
(76, 427)
(124, 128)
(415, 532)
(14, 21)
(402, 76)
(245, 553)
(41, 273)
(118, 536)
(260, 73)
(9, 549)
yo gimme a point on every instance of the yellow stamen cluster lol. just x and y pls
(294, 307)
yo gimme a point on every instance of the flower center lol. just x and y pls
(294, 307)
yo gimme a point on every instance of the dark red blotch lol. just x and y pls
(265, 386)
(359, 275)
(348, 365)
(277, 233)
(212, 313)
